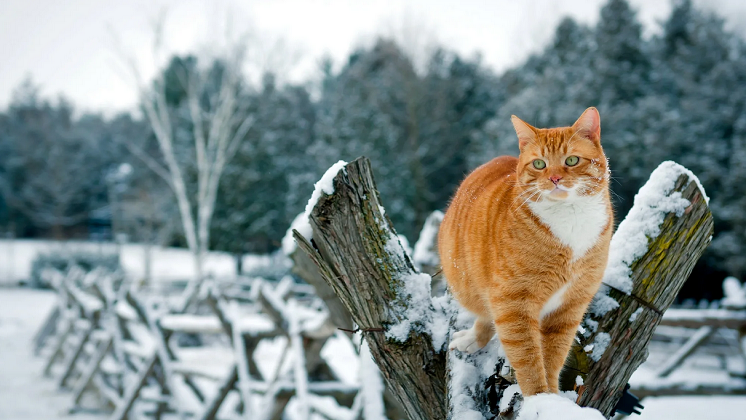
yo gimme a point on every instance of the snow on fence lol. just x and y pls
(269, 353)
(692, 334)
(359, 255)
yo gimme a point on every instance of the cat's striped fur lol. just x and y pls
(525, 249)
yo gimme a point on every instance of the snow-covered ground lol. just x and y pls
(691, 408)
(17, 255)
(24, 393)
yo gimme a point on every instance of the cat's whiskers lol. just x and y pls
(520, 197)
(594, 185)
(616, 195)
(538, 191)
(570, 140)
(530, 189)
(615, 178)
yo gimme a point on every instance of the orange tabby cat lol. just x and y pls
(524, 245)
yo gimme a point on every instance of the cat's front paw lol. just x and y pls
(465, 341)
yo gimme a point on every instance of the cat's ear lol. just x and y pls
(526, 133)
(589, 125)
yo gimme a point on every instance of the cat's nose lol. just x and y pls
(555, 178)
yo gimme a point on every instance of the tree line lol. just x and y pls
(677, 95)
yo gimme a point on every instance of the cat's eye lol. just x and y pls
(539, 164)
(572, 161)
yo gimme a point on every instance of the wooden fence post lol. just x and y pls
(360, 257)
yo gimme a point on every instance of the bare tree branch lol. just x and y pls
(151, 163)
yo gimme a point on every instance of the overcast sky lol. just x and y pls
(71, 47)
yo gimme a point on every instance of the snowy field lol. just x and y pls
(702, 368)
(691, 408)
(16, 257)
(24, 393)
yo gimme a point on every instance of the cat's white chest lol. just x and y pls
(576, 222)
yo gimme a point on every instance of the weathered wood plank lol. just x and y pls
(357, 257)
(59, 346)
(697, 339)
(680, 390)
(132, 392)
(697, 318)
(213, 405)
(48, 329)
(71, 364)
(93, 367)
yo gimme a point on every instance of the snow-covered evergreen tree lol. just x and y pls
(268, 182)
(52, 164)
(417, 130)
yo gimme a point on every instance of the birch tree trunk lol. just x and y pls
(218, 129)
(355, 248)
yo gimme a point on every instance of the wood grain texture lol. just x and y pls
(305, 268)
(359, 256)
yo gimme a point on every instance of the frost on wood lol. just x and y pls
(469, 375)
(404, 242)
(466, 391)
(414, 309)
(511, 392)
(634, 315)
(602, 303)
(417, 311)
(599, 346)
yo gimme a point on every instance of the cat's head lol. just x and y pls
(562, 163)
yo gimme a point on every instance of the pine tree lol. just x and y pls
(271, 177)
(52, 165)
(704, 69)
(462, 98)
(369, 109)
(621, 61)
